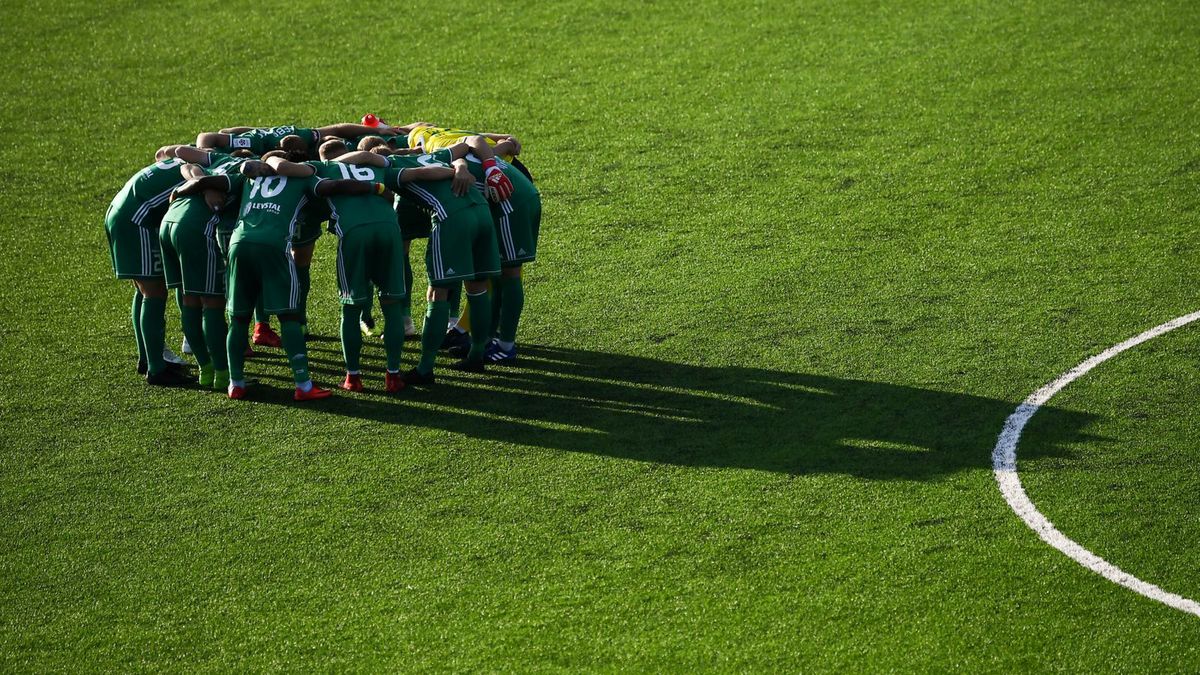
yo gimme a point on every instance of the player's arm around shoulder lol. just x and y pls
(410, 174)
(202, 183)
(283, 167)
(187, 153)
(364, 157)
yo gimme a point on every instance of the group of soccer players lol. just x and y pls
(230, 223)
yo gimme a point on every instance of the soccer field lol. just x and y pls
(799, 262)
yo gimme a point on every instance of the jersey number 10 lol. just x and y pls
(268, 186)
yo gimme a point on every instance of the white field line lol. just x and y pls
(1004, 465)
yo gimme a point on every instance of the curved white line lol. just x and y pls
(1004, 465)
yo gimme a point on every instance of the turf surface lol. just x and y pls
(798, 264)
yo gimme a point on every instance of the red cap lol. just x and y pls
(370, 120)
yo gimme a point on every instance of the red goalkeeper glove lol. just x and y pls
(499, 188)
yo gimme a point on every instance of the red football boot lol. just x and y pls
(393, 382)
(236, 392)
(352, 383)
(264, 335)
(312, 394)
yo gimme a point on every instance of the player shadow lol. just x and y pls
(695, 415)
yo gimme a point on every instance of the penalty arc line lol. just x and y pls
(1004, 466)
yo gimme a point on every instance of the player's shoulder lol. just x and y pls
(403, 161)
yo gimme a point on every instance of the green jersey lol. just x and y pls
(348, 211)
(433, 196)
(148, 190)
(267, 138)
(194, 207)
(230, 167)
(271, 207)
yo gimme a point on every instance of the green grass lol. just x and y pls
(799, 261)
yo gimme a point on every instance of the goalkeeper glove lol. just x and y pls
(499, 188)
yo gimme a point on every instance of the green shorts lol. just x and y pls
(307, 234)
(370, 256)
(517, 231)
(134, 249)
(261, 270)
(462, 248)
(191, 258)
(414, 223)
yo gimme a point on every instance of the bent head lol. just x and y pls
(253, 168)
(332, 149)
(371, 142)
(283, 154)
(294, 146)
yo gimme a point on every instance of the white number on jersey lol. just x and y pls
(268, 186)
(356, 172)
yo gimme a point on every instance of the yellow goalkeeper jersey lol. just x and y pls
(436, 138)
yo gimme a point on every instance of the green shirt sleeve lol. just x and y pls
(236, 182)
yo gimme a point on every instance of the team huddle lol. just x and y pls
(231, 224)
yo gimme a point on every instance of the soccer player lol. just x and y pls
(194, 266)
(428, 137)
(370, 255)
(260, 262)
(308, 230)
(132, 223)
(462, 243)
(517, 221)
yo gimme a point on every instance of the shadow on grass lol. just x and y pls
(717, 416)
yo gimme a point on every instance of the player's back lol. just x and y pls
(438, 138)
(434, 196)
(348, 211)
(144, 196)
(270, 208)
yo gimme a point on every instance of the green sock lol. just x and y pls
(393, 332)
(216, 331)
(235, 344)
(136, 315)
(408, 285)
(351, 336)
(454, 301)
(304, 274)
(154, 332)
(481, 320)
(260, 312)
(437, 315)
(510, 310)
(296, 350)
(365, 310)
(192, 321)
(497, 291)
